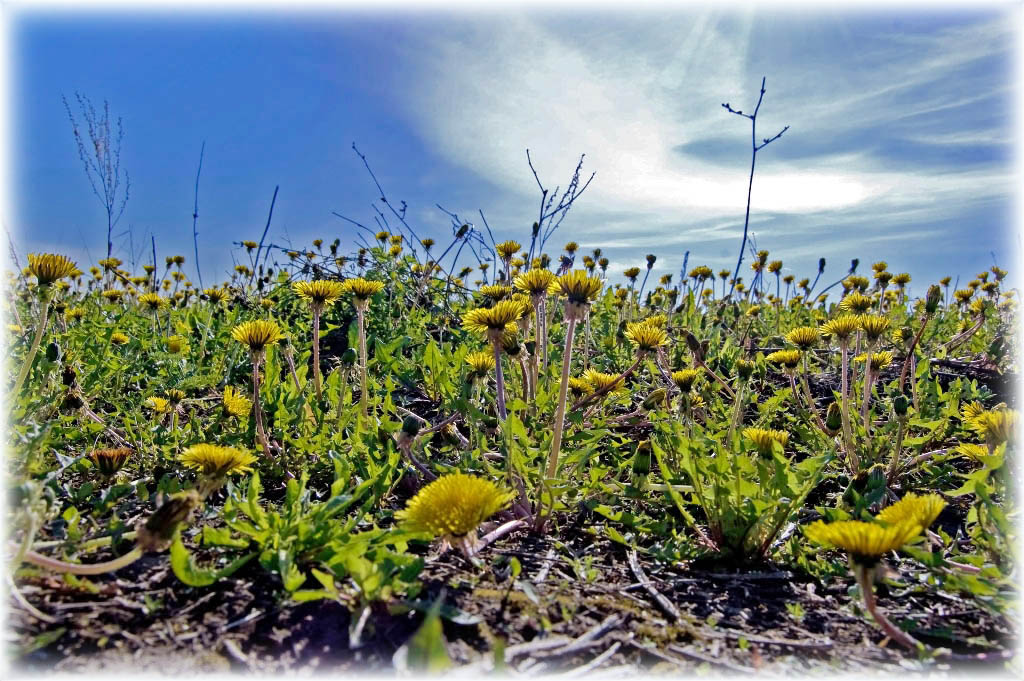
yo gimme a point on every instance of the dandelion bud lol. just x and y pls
(650, 260)
(821, 265)
(744, 369)
(656, 398)
(52, 352)
(157, 531)
(932, 300)
(833, 418)
(642, 459)
(900, 406)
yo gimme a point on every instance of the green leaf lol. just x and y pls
(184, 566)
(426, 650)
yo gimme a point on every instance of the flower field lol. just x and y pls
(369, 462)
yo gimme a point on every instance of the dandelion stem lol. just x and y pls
(78, 569)
(556, 441)
(851, 456)
(260, 432)
(361, 316)
(863, 575)
(44, 310)
(316, 353)
(499, 377)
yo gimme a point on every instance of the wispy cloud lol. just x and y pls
(889, 126)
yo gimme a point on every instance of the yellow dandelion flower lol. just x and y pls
(50, 267)
(971, 450)
(996, 426)
(480, 362)
(454, 505)
(257, 334)
(804, 337)
(580, 386)
(236, 404)
(159, 405)
(216, 295)
(787, 358)
(855, 303)
(319, 291)
(764, 439)
(865, 542)
(971, 410)
(601, 381)
(646, 337)
(579, 288)
(841, 328)
(535, 282)
(492, 319)
(496, 292)
(657, 320)
(214, 461)
(685, 378)
(363, 289)
(152, 300)
(507, 249)
(176, 344)
(74, 314)
(919, 510)
(118, 338)
(110, 461)
(632, 273)
(879, 360)
(873, 326)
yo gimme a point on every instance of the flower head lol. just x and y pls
(492, 319)
(236, 404)
(579, 288)
(214, 461)
(855, 303)
(454, 505)
(118, 338)
(919, 510)
(764, 439)
(602, 381)
(496, 292)
(153, 301)
(804, 337)
(787, 358)
(481, 363)
(579, 386)
(319, 292)
(874, 326)
(865, 542)
(841, 328)
(971, 450)
(50, 267)
(110, 461)
(257, 334)
(158, 404)
(646, 337)
(535, 282)
(879, 360)
(176, 344)
(216, 295)
(996, 426)
(363, 289)
(685, 378)
(507, 249)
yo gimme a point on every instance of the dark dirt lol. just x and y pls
(568, 606)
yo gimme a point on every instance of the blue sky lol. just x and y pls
(902, 139)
